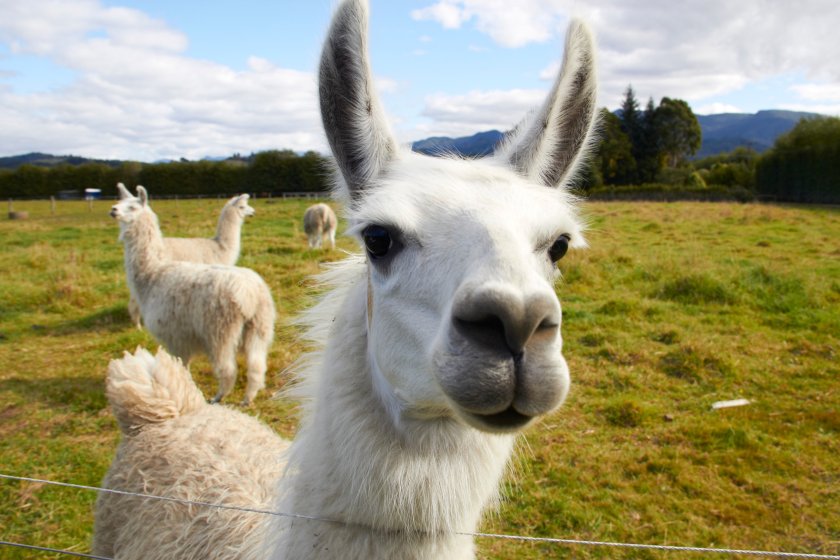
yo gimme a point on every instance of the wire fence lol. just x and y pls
(520, 538)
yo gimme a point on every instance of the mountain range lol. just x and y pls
(721, 133)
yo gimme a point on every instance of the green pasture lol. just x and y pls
(672, 308)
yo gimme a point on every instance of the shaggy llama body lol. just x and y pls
(196, 308)
(319, 222)
(223, 249)
(431, 352)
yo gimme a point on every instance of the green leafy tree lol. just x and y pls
(677, 130)
(615, 160)
(804, 164)
(732, 169)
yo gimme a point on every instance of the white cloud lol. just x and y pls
(458, 115)
(716, 109)
(818, 92)
(136, 94)
(447, 13)
(691, 50)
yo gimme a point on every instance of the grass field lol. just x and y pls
(674, 307)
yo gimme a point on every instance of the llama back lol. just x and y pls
(214, 454)
(207, 301)
(198, 250)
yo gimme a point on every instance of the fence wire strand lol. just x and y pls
(520, 538)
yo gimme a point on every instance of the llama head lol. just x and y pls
(129, 207)
(240, 205)
(462, 316)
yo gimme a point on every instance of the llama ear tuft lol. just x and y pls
(354, 121)
(142, 195)
(549, 145)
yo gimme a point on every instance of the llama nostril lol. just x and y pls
(501, 318)
(487, 331)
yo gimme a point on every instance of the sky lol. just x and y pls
(151, 80)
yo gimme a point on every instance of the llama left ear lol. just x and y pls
(549, 145)
(123, 192)
(354, 122)
(142, 195)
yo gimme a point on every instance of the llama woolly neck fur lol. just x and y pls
(409, 486)
(144, 249)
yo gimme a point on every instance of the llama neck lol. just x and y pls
(228, 231)
(144, 250)
(395, 491)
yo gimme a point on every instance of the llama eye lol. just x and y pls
(377, 240)
(559, 248)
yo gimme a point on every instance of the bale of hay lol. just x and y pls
(19, 215)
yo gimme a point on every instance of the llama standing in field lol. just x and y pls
(319, 221)
(221, 249)
(435, 349)
(196, 308)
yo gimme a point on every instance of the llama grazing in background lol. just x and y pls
(431, 352)
(319, 221)
(221, 249)
(196, 308)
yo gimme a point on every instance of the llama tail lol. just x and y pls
(145, 389)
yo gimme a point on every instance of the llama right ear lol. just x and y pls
(549, 145)
(123, 192)
(353, 120)
(142, 195)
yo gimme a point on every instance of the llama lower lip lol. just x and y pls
(507, 420)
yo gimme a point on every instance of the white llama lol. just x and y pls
(435, 350)
(222, 249)
(319, 221)
(196, 308)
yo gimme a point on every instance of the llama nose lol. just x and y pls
(497, 316)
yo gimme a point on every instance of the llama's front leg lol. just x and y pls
(332, 239)
(224, 366)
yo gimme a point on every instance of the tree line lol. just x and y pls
(647, 153)
(269, 172)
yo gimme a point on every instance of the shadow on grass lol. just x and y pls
(80, 394)
(110, 319)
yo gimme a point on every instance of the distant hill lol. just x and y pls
(476, 145)
(727, 131)
(48, 160)
(721, 133)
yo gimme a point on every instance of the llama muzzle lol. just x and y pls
(501, 364)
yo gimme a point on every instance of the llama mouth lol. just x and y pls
(508, 420)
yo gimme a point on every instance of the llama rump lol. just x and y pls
(319, 221)
(430, 352)
(196, 308)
